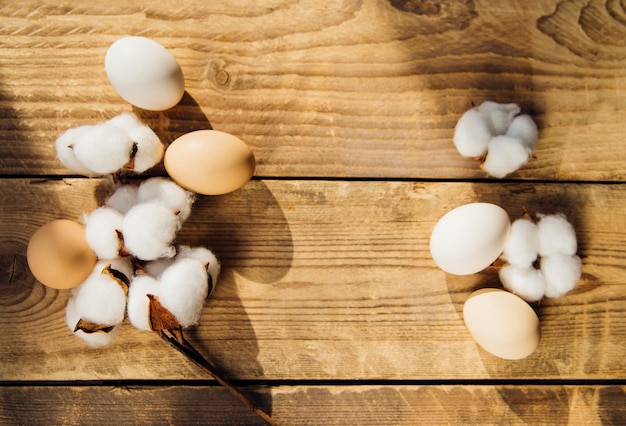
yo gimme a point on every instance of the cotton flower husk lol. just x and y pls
(167, 193)
(101, 228)
(138, 306)
(561, 272)
(65, 150)
(103, 149)
(149, 230)
(472, 134)
(504, 156)
(525, 281)
(522, 246)
(183, 289)
(123, 199)
(556, 235)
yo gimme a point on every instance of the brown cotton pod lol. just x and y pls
(58, 254)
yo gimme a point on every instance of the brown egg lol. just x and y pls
(502, 323)
(58, 254)
(209, 162)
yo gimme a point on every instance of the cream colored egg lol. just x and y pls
(209, 162)
(502, 323)
(469, 238)
(58, 254)
(144, 73)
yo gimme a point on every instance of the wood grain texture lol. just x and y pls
(327, 280)
(318, 405)
(359, 88)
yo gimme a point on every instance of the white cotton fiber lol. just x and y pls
(156, 267)
(525, 281)
(149, 147)
(522, 246)
(561, 272)
(122, 265)
(104, 148)
(207, 257)
(472, 134)
(65, 150)
(167, 193)
(149, 230)
(498, 116)
(505, 155)
(101, 300)
(556, 235)
(524, 128)
(123, 199)
(97, 339)
(138, 306)
(183, 289)
(101, 228)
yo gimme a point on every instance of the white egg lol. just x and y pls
(144, 73)
(469, 238)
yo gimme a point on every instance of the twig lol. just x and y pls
(178, 342)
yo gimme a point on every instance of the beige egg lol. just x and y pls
(502, 323)
(58, 254)
(469, 238)
(209, 162)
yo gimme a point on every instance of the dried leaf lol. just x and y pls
(131, 161)
(160, 317)
(118, 276)
(91, 327)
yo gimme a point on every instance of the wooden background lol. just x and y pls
(329, 309)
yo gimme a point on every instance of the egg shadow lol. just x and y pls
(186, 116)
(515, 198)
(248, 232)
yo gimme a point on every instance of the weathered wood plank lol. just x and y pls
(356, 89)
(326, 280)
(317, 405)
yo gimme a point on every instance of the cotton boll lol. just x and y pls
(97, 339)
(149, 147)
(104, 148)
(65, 150)
(522, 246)
(149, 230)
(156, 267)
(505, 155)
(138, 306)
(561, 272)
(169, 194)
(101, 300)
(498, 116)
(524, 128)
(525, 281)
(205, 256)
(123, 199)
(556, 235)
(472, 134)
(101, 228)
(183, 288)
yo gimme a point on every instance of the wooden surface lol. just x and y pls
(329, 309)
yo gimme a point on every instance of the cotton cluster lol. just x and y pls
(552, 242)
(498, 135)
(123, 142)
(136, 228)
